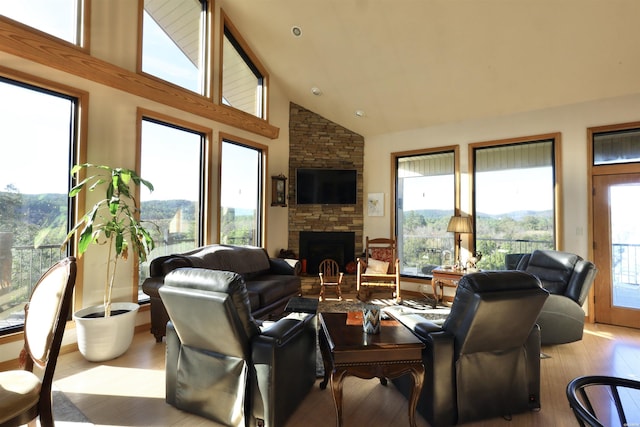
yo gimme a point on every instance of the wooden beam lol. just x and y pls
(22, 41)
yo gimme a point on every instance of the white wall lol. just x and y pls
(571, 121)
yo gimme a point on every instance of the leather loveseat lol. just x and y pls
(270, 282)
(568, 279)
(222, 364)
(484, 360)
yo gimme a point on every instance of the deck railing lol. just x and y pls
(29, 263)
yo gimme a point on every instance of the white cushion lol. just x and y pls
(375, 266)
(19, 390)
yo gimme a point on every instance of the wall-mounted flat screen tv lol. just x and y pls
(326, 186)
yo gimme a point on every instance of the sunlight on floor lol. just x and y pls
(151, 383)
(606, 335)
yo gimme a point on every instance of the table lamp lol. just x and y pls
(459, 225)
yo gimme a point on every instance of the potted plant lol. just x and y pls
(106, 331)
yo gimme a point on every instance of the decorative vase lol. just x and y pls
(371, 319)
(104, 338)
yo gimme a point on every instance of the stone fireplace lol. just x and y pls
(316, 246)
(315, 142)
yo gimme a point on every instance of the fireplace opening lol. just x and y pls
(316, 246)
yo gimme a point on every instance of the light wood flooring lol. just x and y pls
(129, 391)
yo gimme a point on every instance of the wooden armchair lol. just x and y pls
(330, 275)
(380, 268)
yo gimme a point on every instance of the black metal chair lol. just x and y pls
(609, 390)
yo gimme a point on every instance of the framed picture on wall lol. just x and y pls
(375, 204)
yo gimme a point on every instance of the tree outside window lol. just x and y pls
(34, 183)
(241, 194)
(425, 200)
(514, 199)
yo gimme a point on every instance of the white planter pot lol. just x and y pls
(105, 338)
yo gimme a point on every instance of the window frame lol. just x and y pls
(394, 191)
(83, 28)
(613, 167)
(556, 139)
(76, 155)
(206, 76)
(262, 205)
(204, 235)
(251, 60)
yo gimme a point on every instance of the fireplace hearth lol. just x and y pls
(316, 246)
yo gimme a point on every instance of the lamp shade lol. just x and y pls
(460, 224)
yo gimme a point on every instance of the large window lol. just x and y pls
(243, 78)
(514, 188)
(174, 47)
(38, 139)
(425, 201)
(172, 159)
(60, 18)
(241, 193)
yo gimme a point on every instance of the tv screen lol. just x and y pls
(326, 186)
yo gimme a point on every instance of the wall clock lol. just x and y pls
(279, 190)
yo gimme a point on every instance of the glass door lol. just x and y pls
(617, 249)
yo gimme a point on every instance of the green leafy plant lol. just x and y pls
(113, 220)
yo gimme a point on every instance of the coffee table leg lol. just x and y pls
(417, 372)
(337, 376)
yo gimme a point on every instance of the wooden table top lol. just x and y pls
(448, 272)
(349, 343)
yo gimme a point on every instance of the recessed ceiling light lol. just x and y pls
(360, 113)
(316, 91)
(296, 31)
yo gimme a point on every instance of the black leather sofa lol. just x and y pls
(222, 364)
(568, 279)
(270, 282)
(484, 360)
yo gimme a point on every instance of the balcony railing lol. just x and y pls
(29, 263)
(18, 276)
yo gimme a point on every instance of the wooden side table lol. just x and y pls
(347, 350)
(444, 278)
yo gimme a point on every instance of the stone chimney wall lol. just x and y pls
(316, 142)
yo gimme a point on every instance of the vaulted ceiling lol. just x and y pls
(416, 63)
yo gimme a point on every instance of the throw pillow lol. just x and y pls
(376, 266)
(383, 254)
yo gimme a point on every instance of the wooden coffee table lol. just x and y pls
(347, 350)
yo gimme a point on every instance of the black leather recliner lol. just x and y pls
(568, 279)
(484, 361)
(221, 364)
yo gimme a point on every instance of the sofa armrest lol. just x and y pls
(285, 266)
(416, 323)
(284, 358)
(581, 280)
(280, 332)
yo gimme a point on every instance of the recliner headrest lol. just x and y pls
(212, 298)
(555, 270)
(491, 281)
(509, 301)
